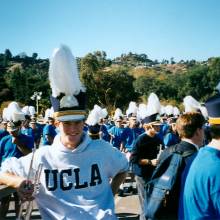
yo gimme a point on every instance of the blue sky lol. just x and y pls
(183, 29)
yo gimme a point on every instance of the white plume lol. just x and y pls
(5, 114)
(132, 108)
(218, 87)
(63, 73)
(142, 111)
(14, 112)
(48, 113)
(191, 104)
(104, 113)
(176, 111)
(162, 110)
(25, 110)
(153, 104)
(32, 110)
(169, 110)
(93, 117)
(204, 112)
(118, 113)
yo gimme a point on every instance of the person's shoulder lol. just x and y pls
(185, 146)
(100, 143)
(6, 138)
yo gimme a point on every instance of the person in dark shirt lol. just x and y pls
(144, 156)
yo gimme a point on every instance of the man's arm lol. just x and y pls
(117, 180)
(11, 180)
(24, 187)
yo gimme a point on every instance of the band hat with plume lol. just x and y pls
(5, 113)
(132, 110)
(213, 107)
(32, 110)
(14, 116)
(153, 109)
(142, 111)
(191, 104)
(68, 94)
(169, 110)
(176, 111)
(49, 113)
(25, 110)
(94, 117)
(118, 115)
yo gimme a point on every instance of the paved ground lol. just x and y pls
(127, 208)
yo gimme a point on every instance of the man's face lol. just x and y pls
(132, 122)
(71, 133)
(118, 123)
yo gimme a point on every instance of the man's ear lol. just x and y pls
(198, 132)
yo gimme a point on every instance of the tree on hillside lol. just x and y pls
(213, 73)
(114, 88)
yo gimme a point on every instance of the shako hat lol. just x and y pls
(68, 94)
(152, 111)
(14, 116)
(118, 115)
(213, 108)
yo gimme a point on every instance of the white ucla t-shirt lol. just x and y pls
(74, 183)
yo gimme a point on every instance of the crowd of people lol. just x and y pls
(86, 159)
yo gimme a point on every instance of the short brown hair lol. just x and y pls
(215, 131)
(188, 123)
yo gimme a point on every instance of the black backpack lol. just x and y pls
(162, 191)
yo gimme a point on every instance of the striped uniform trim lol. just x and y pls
(215, 121)
(69, 112)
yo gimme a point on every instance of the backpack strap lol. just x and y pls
(183, 153)
(188, 153)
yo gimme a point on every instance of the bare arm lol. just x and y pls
(24, 188)
(116, 181)
(11, 180)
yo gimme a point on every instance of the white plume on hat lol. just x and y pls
(5, 114)
(32, 110)
(218, 87)
(169, 110)
(176, 111)
(191, 104)
(132, 108)
(153, 104)
(104, 113)
(162, 110)
(94, 116)
(49, 113)
(25, 110)
(118, 113)
(64, 76)
(204, 112)
(142, 111)
(14, 112)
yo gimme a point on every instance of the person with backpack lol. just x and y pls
(163, 190)
(144, 156)
(201, 194)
